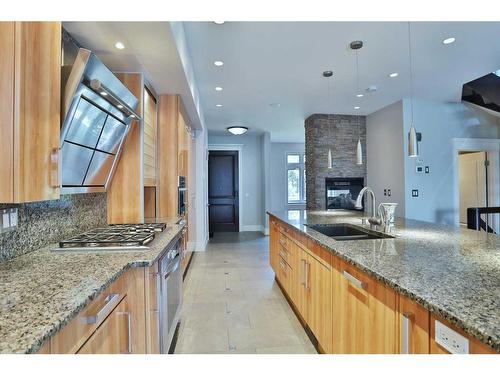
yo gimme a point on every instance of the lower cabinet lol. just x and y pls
(413, 327)
(273, 245)
(114, 335)
(365, 314)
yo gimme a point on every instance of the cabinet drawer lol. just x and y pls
(114, 334)
(71, 338)
(285, 275)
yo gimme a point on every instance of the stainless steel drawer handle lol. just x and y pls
(129, 327)
(405, 336)
(111, 302)
(354, 281)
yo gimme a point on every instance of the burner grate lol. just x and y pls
(116, 235)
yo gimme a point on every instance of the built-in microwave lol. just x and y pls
(182, 195)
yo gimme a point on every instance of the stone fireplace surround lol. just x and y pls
(340, 134)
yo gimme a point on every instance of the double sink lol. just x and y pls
(347, 232)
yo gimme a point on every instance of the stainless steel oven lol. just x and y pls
(170, 294)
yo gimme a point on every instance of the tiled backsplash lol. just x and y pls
(42, 223)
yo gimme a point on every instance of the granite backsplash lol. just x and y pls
(42, 223)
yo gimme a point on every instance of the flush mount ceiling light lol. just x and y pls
(119, 45)
(393, 75)
(218, 63)
(218, 105)
(357, 107)
(448, 40)
(218, 88)
(219, 22)
(359, 95)
(327, 73)
(237, 130)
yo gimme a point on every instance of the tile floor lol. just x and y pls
(232, 303)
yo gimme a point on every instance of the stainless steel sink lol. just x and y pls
(347, 232)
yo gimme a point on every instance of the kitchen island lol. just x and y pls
(447, 275)
(44, 291)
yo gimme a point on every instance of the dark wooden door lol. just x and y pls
(223, 191)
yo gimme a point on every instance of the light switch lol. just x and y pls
(5, 220)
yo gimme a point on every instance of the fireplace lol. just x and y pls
(341, 193)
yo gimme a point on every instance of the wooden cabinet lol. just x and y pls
(273, 245)
(152, 310)
(305, 275)
(114, 335)
(365, 313)
(113, 323)
(30, 83)
(413, 327)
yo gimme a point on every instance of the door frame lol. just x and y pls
(492, 148)
(239, 149)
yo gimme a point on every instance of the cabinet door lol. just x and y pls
(30, 90)
(368, 317)
(319, 285)
(413, 328)
(301, 301)
(152, 310)
(113, 336)
(273, 246)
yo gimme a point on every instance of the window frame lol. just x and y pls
(301, 167)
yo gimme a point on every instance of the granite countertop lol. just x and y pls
(452, 272)
(42, 291)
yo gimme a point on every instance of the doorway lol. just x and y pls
(473, 180)
(223, 191)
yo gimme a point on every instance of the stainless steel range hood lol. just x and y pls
(97, 110)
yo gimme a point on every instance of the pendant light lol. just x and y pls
(413, 136)
(329, 74)
(355, 46)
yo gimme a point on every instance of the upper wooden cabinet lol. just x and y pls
(30, 83)
(150, 137)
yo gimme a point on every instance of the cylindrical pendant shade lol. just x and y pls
(359, 153)
(330, 166)
(412, 143)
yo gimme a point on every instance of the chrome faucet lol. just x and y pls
(374, 220)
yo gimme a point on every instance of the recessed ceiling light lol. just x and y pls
(237, 130)
(393, 75)
(275, 105)
(359, 95)
(219, 22)
(218, 88)
(327, 73)
(103, 93)
(448, 40)
(357, 107)
(218, 63)
(119, 45)
(218, 105)
(119, 106)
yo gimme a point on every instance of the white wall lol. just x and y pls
(472, 177)
(439, 124)
(266, 178)
(199, 213)
(278, 173)
(384, 150)
(251, 217)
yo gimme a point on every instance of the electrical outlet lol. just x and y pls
(389, 192)
(414, 193)
(5, 220)
(13, 218)
(427, 169)
(452, 341)
(385, 192)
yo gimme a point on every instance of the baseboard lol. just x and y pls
(251, 228)
(198, 246)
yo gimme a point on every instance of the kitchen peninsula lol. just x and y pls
(389, 295)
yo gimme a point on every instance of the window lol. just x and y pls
(296, 178)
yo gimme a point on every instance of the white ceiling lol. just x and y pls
(150, 47)
(282, 62)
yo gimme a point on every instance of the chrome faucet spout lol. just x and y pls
(374, 220)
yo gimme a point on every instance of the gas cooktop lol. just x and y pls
(114, 237)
